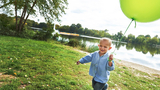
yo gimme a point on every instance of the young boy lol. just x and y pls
(100, 65)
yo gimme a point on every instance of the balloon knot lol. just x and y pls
(132, 19)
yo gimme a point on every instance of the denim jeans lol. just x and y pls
(99, 86)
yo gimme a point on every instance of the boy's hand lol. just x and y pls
(78, 62)
(111, 57)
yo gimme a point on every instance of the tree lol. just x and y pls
(64, 28)
(78, 25)
(154, 40)
(148, 36)
(49, 9)
(80, 30)
(73, 28)
(119, 35)
(42, 25)
(106, 30)
(4, 19)
(131, 38)
(156, 36)
(140, 39)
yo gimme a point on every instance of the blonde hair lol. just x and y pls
(106, 39)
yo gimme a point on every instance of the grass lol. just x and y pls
(27, 64)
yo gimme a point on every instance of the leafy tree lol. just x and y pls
(156, 36)
(106, 30)
(49, 9)
(154, 40)
(124, 39)
(7, 25)
(73, 28)
(107, 35)
(129, 46)
(101, 33)
(119, 34)
(42, 25)
(85, 31)
(131, 38)
(78, 25)
(31, 23)
(159, 41)
(80, 30)
(148, 36)
(4, 19)
(64, 28)
(140, 39)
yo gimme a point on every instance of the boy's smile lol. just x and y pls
(103, 47)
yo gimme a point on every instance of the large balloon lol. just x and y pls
(141, 10)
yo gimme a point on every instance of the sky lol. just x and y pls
(104, 14)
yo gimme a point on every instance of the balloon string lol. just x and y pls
(124, 34)
(135, 24)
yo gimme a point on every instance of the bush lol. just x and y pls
(83, 45)
(41, 35)
(92, 48)
(7, 25)
(8, 32)
(73, 42)
(30, 34)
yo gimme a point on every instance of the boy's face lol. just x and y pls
(103, 47)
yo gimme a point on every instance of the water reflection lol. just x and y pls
(129, 46)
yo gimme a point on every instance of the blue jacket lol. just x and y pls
(99, 67)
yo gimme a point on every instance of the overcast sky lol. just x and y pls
(105, 14)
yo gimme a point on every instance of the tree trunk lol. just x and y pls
(28, 14)
(22, 18)
(16, 14)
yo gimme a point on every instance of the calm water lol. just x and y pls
(143, 55)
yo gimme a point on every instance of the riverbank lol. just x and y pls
(132, 65)
(137, 66)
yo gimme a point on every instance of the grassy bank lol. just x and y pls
(39, 65)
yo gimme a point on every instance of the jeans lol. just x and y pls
(99, 86)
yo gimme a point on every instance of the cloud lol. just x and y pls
(78, 11)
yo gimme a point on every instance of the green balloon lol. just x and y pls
(141, 10)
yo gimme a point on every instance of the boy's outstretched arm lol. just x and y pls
(85, 59)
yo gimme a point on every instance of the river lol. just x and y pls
(139, 54)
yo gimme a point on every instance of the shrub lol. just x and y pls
(7, 25)
(73, 42)
(92, 48)
(83, 45)
(30, 34)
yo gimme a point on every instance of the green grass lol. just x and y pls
(39, 65)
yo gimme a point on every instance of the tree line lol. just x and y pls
(141, 39)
